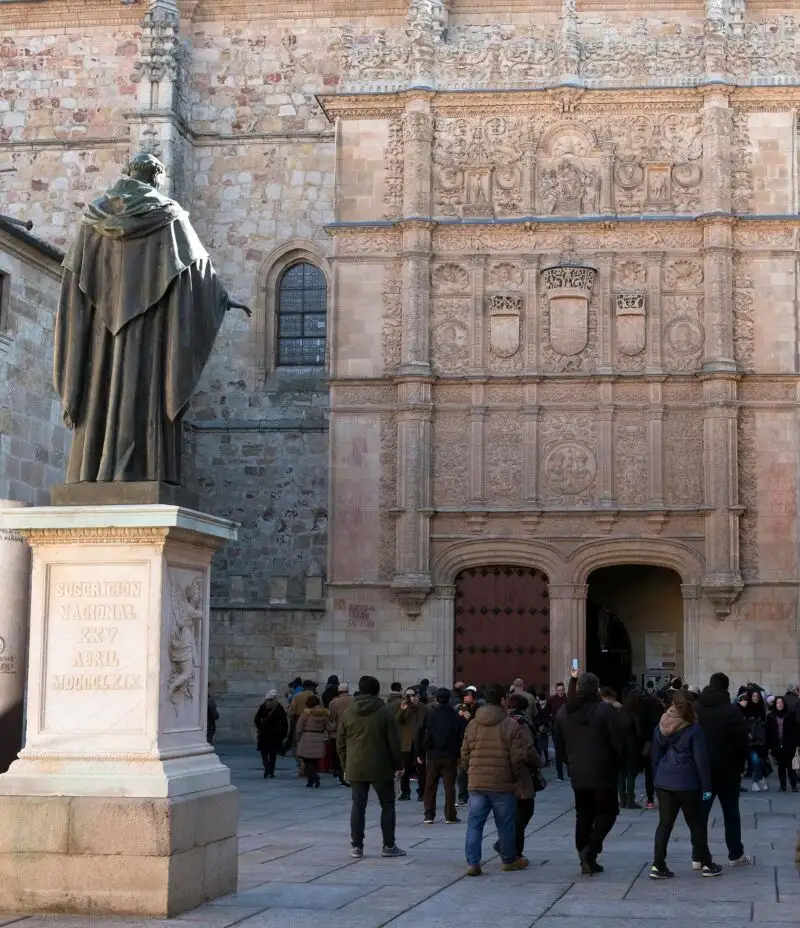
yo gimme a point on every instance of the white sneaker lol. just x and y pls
(763, 784)
(743, 861)
(755, 788)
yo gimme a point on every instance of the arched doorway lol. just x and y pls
(634, 625)
(502, 625)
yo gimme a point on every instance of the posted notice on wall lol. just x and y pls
(661, 650)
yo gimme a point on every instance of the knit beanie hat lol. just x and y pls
(588, 684)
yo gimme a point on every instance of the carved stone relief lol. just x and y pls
(392, 321)
(504, 312)
(748, 493)
(187, 609)
(477, 166)
(630, 331)
(743, 321)
(387, 552)
(684, 334)
(658, 161)
(450, 459)
(503, 458)
(450, 278)
(393, 170)
(568, 172)
(683, 465)
(567, 459)
(630, 457)
(569, 317)
(450, 329)
(683, 274)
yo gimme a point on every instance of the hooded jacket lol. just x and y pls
(725, 735)
(331, 691)
(525, 788)
(589, 737)
(494, 751)
(680, 758)
(369, 741)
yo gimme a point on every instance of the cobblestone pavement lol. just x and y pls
(295, 869)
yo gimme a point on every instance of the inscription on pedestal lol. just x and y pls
(96, 644)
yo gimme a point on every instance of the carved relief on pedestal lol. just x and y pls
(187, 609)
(477, 166)
(566, 317)
(568, 172)
(631, 457)
(684, 335)
(567, 459)
(743, 321)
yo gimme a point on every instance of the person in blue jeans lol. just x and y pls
(493, 753)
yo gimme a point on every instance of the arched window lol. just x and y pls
(302, 320)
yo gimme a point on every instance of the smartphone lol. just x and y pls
(574, 663)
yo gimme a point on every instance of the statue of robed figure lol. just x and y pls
(139, 311)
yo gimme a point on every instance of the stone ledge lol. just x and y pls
(105, 856)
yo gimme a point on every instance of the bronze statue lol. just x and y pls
(139, 311)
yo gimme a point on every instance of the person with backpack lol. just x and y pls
(682, 776)
(529, 776)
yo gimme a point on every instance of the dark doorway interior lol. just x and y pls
(608, 647)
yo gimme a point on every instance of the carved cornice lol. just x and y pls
(112, 535)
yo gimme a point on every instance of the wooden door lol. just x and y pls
(502, 626)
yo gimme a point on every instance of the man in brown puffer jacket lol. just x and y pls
(493, 753)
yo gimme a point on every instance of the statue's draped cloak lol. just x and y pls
(139, 311)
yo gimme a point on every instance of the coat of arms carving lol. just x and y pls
(504, 318)
(630, 323)
(569, 289)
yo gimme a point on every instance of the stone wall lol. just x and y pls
(33, 439)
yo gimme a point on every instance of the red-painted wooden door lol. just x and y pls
(502, 623)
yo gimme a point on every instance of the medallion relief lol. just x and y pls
(568, 461)
(450, 278)
(684, 335)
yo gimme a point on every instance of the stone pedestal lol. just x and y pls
(15, 577)
(117, 804)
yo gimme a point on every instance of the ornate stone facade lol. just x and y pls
(561, 246)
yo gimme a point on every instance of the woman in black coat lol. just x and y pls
(272, 725)
(783, 739)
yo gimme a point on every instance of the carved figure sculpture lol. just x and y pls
(187, 615)
(139, 311)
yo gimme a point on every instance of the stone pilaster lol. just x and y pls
(477, 361)
(605, 311)
(531, 417)
(604, 418)
(567, 628)
(443, 617)
(414, 403)
(717, 136)
(691, 633)
(723, 580)
(530, 265)
(718, 306)
(655, 448)
(715, 28)
(414, 427)
(607, 178)
(477, 429)
(158, 118)
(654, 310)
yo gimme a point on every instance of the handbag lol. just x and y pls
(796, 760)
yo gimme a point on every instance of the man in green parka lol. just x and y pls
(369, 751)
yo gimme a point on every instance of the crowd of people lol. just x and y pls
(488, 747)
